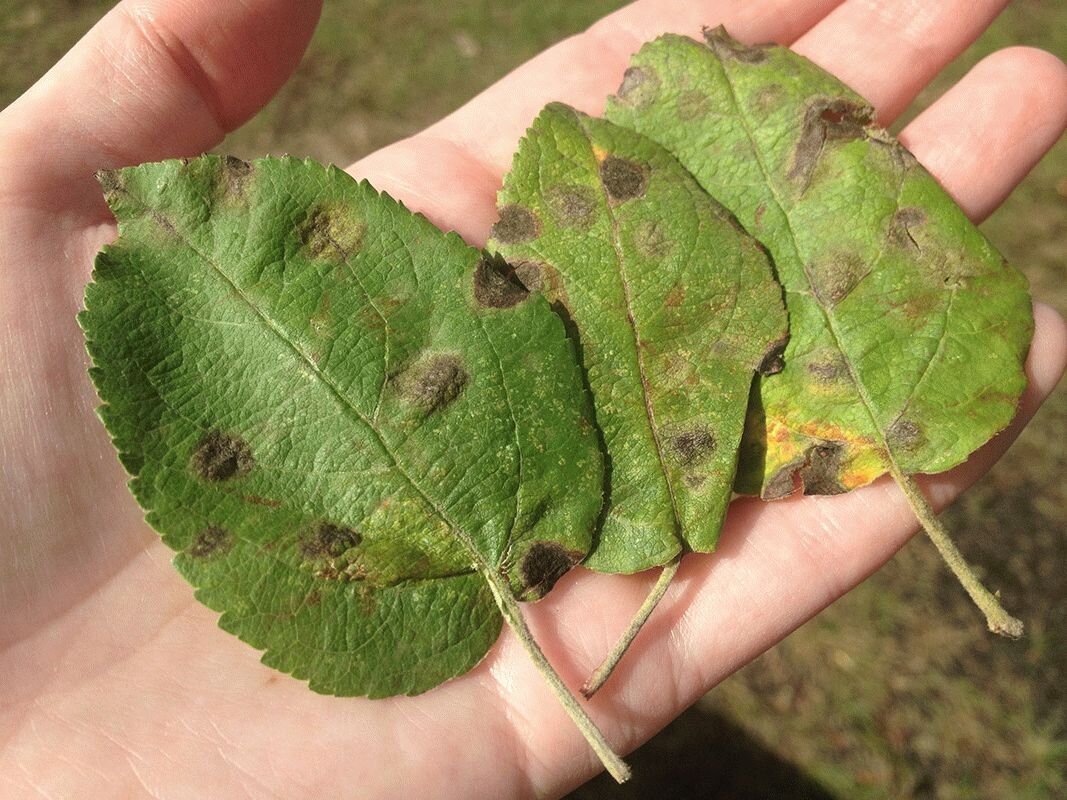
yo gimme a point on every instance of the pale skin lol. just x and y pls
(116, 683)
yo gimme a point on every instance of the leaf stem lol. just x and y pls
(997, 619)
(607, 666)
(509, 607)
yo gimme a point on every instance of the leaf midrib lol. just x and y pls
(650, 413)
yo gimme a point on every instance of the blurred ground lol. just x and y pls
(896, 691)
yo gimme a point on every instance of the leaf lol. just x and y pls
(345, 421)
(675, 309)
(908, 331)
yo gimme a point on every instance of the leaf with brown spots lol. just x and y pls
(674, 309)
(908, 331)
(354, 429)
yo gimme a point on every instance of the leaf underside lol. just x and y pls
(908, 331)
(675, 309)
(339, 416)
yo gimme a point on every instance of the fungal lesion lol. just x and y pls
(725, 47)
(543, 564)
(516, 224)
(693, 446)
(827, 120)
(326, 547)
(221, 456)
(623, 179)
(212, 540)
(331, 232)
(498, 284)
(433, 382)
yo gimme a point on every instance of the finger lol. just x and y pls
(451, 171)
(778, 565)
(153, 79)
(888, 51)
(1014, 104)
(583, 70)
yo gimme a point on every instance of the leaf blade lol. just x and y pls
(661, 285)
(289, 394)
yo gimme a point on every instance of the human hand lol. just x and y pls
(117, 682)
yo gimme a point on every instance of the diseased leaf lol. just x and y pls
(908, 330)
(344, 420)
(674, 307)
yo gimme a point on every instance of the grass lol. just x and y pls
(895, 691)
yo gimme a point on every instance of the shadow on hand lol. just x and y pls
(703, 755)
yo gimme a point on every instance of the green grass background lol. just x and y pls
(895, 691)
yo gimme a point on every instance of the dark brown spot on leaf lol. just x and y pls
(822, 472)
(783, 483)
(692, 447)
(694, 481)
(726, 47)
(905, 435)
(433, 382)
(623, 179)
(574, 206)
(496, 284)
(543, 565)
(827, 120)
(220, 456)
(835, 277)
(313, 598)
(208, 542)
(327, 540)
(639, 87)
(516, 224)
(774, 359)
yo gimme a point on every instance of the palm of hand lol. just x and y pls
(110, 667)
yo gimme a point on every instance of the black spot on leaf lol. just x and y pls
(727, 48)
(221, 456)
(693, 446)
(516, 224)
(496, 284)
(327, 540)
(432, 383)
(543, 565)
(210, 541)
(623, 179)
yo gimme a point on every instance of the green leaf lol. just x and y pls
(908, 330)
(345, 421)
(675, 309)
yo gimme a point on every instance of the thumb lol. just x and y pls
(153, 79)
